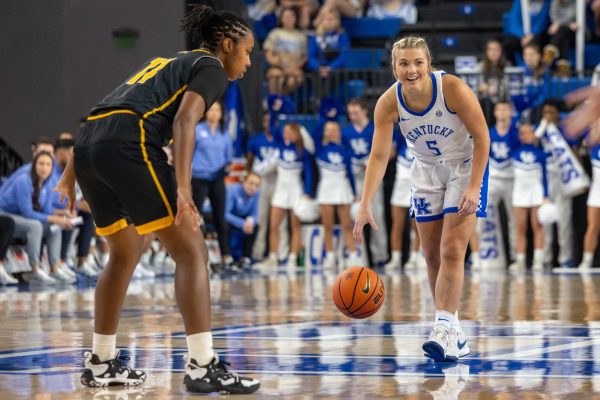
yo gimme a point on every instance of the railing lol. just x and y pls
(343, 85)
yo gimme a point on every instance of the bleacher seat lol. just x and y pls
(561, 86)
(371, 28)
(363, 58)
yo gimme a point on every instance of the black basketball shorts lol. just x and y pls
(124, 175)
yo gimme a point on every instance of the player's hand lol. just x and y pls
(66, 190)
(363, 217)
(468, 202)
(586, 113)
(185, 203)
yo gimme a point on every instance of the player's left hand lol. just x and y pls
(67, 191)
(469, 201)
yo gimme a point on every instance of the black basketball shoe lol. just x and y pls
(214, 377)
(98, 373)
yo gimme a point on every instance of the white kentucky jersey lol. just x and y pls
(436, 133)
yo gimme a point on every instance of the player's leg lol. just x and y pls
(327, 219)
(204, 372)
(277, 217)
(102, 366)
(296, 240)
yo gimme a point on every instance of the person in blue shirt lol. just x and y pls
(42, 143)
(536, 85)
(294, 180)
(29, 201)
(530, 191)
(515, 38)
(212, 155)
(357, 136)
(326, 47)
(336, 191)
(261, 157)
(241, 213)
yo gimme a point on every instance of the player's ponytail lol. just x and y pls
(208, 27)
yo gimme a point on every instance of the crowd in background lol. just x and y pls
(296, 175)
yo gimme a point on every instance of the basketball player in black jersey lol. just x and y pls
(123, 174)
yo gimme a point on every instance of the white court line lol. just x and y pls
(544, 350)
(360, 335)
(38, 352)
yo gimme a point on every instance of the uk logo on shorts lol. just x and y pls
(421, 206)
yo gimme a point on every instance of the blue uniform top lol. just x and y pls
(335, 157)
(540, 18)
(333, 43)
(212, 153)
(535, 91)
(261, 147)
(239, 206)
(18, 198)
(529, 157)
(502, 147)
(358, 142)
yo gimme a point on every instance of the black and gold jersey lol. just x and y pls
(155, 91)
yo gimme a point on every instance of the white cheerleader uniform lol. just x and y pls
(594, 195)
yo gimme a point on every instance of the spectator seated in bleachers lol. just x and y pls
(515, 39)
(536, 85)
(492, 87)
(306, 9)
(404, 9)
(241, 213)
(326, 46)
(346, 8)
(561, 36)
(285, 51)
(29, 202)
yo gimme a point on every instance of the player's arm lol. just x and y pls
(386, 114)
(461, 99)
(66, 186)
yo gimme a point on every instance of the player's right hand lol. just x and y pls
(66, 191)
(363, 217)
(185, 203)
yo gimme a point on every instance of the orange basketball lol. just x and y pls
(358, 292)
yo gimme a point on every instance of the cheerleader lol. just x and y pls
(293, 163)
(336, 191)
(529, 192)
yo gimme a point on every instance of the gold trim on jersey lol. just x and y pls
(166, 103)
(112, 228)
(108, 114)
(154, 177)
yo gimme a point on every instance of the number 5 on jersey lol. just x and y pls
(148, 72)
(431, 145)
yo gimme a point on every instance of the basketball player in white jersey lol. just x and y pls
(442, 121)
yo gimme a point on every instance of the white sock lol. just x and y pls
(292, 257)
(146, 258)
(538, 256)
(200, 347)
(328, 254)
(396, 256)
(588, 257)
(475, 258)
(521, 258)
(456, 322)
(353, 254)
(444, 318)
(104, 346)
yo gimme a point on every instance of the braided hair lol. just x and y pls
(210, 28)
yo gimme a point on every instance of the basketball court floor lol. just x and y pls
(531, 336)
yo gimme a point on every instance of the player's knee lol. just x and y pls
(453, 252)
(190, 253)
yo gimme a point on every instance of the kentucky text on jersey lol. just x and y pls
(419, 131)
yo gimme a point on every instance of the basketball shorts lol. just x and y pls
(438, 187)
(125, 181)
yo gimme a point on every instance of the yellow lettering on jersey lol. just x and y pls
(146, 73)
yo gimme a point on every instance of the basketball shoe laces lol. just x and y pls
(445, 335)
(219, 368)
(115, 365)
